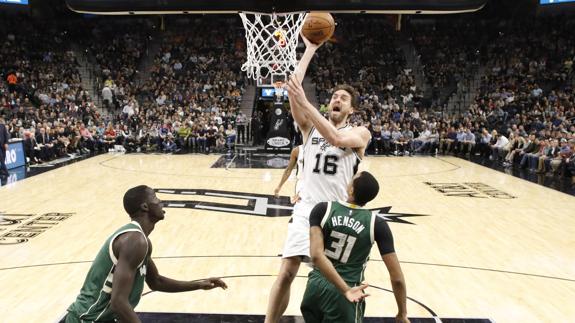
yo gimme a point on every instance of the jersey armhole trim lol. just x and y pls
(326, 215)
(354, 151)
(372, 228)
(308, 136)
(111, 251)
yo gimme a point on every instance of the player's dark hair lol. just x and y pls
(349, 89)
(365, 188)
(134, 197)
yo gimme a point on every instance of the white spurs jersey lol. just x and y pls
(327, 170)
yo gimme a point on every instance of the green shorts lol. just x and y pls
(322, 302)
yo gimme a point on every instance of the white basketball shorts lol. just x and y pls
(297, 241)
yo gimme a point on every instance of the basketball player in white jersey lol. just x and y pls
(332, 150)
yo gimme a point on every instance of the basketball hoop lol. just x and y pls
(271, 41)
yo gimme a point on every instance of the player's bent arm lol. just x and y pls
(358, 137)
(287, 172)
(322, 263)
(131, 249)
(160, 283)
(317, 247)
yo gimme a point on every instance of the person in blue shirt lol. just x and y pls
(468, 142)
(459, 140)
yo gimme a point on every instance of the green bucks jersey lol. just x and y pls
(93, 303)
(348, 233)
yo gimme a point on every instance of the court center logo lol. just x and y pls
(253, 204)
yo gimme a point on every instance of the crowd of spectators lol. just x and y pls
(116, 47)
(193, 94)
(374, 65)
(525, 99)
(194, 91)
(449, 50)
(189, 98)
(189, 102)
(41, 97)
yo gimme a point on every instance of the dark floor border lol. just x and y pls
(153, 317)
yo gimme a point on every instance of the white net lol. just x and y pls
(271, 44)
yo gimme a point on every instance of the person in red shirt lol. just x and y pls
(109, 137)
(12, 81)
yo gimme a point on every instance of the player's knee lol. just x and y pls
(287, 276)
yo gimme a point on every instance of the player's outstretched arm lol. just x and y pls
(301, 69)
(356, 138)
(310, 49)
(131, 249)
(164, 284)
(288, 170)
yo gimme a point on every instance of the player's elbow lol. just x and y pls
(154, 284)
(315, 256)
(314, 259)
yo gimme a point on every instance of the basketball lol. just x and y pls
(318, 27)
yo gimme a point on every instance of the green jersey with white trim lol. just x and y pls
(93, 303)
(348, 233)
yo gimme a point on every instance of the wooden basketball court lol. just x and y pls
(481, 244)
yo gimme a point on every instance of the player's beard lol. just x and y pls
(337, 117)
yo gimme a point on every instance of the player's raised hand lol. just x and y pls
(356, 294)
(309, 44)
(212, 283)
